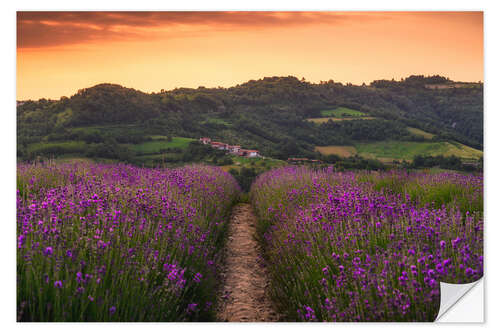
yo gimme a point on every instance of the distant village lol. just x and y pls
(238, 151)
(234, 150)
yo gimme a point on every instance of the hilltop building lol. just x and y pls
(250, 153)
(219, 145)
(235, 150)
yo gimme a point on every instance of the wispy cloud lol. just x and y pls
(49, 29)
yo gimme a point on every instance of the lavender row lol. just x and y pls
(344, 248)
(119, 243)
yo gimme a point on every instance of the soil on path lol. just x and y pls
(244, 296)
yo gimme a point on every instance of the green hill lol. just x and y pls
(271, 115)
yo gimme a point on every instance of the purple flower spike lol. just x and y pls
(191, 307)
(48, 251)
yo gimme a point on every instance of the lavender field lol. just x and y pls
(367, 246)
(120, 243)
(102, 242)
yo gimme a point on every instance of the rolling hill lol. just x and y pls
(272, 115)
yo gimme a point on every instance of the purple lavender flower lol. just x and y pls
(191, 307)
(48, 251)
(390, 262)
(309, 313)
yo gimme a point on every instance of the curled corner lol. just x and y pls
(450, 294)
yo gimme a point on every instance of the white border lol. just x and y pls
(7, 132)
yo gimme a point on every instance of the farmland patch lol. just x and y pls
(342, 151)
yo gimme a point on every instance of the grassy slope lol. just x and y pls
(152, 147)
(149, 151)
(407, 150)
(417, 131)
(214, 120)
(340, 112)
(325, 119)
(69, 145)
(343, 151)
(149, 147)
(398, 150)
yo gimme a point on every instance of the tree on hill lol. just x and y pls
(270, 114)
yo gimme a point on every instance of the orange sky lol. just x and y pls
(61, 52)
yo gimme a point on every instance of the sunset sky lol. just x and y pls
(61, 52)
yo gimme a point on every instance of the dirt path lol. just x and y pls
(244, 294)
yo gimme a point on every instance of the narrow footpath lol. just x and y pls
(244, 296)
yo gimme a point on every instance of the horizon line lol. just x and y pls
(236, 85)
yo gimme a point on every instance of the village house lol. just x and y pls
(205, 141)
(250, 153)
(239, 153)
(235, 150)
(218, 145)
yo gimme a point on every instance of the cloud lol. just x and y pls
(50, 29)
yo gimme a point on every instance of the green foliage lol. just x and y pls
(226, 160)
(421, 133)
(353, 163)
(435, 194)
(443, 162)
(268, 114)
(120, 273)
(245, 177)
(342, 112)
(409, 150)
(199, 152)
(158, 146)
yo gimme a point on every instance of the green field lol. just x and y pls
(67, 146)
(401, 150)
(325, 119)
(388, 151)
(342, 151)
(146, 151)
(342, 112)
(154, 147)
(419, 132)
